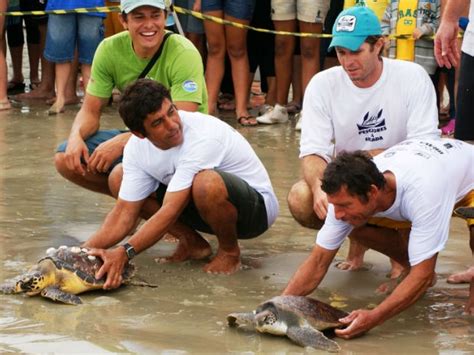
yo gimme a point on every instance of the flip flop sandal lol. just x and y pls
(247, 121)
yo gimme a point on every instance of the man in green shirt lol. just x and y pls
(91, 158)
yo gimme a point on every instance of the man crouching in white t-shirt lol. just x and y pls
(397, 185)
(369, 103)
(191, 172)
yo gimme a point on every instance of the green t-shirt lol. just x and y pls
(179, 68)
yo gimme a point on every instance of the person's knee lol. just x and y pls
(236, 51)
(300, 204)
(207, 185)
(115, 180)
(283, 47)
(216, 49)
(61, 166)
(310, 52)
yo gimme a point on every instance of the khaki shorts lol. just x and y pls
(312, 11)
(467, 201)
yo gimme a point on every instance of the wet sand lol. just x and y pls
(187, 312)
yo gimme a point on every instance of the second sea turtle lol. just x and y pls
(302, 319)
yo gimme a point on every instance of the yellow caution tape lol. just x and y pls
(63, 12)
(181, 10)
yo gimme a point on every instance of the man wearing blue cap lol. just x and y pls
(91, 157)
(367, 103)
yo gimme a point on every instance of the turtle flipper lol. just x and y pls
(464, 212)
(9, 288)
(57, 294)
(236, 319)
(307, 336)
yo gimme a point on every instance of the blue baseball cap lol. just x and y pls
(128, 6)
(353, 26)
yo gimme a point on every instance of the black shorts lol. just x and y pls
(34, 5)
(252, 214)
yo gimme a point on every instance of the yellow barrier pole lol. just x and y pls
(406, 24)
(378, 6)
(350, 3)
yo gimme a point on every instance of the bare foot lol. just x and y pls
(55, 109)
(5, 105)
(461, 277)
(350, 265)
(170, 238)
(199, 250)
(397, 270)
(387, 288)
(223, 263)
(67, 101)
(37, 94)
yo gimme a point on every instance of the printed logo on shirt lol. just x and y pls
(346, 23)
(371, 126)
(190, 86)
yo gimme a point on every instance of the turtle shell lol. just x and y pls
(319, 314)
(78, 261)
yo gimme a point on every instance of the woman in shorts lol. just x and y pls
(67, 32)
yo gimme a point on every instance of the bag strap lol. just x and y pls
(155, 57)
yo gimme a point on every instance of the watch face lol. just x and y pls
(129, 250)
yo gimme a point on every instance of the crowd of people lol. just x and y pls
(286, 63)
(370, 143)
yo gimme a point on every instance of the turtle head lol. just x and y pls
(32, 283)
(268, 321)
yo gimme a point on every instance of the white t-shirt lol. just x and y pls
(400, 105)
(208, 143)
(468, 40)
(431, 176)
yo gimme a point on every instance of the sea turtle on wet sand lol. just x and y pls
(62, 274)
(302, 319)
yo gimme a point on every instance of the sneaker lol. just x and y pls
(449, 128)
(298, 118)
(277, 114)
(264, 109)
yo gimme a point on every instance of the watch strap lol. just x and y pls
(129, 250)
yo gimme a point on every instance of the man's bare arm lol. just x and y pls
(310, 274)
(87, 120)
(154, 229)
(85, 124)
(150, 233)
(405, 294)
(446, 45)
(118, 223)
(313, 170)
(187, 106)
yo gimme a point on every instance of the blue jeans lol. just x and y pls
(241, 9)
(65, 32)
(93, 142)
(189, 23)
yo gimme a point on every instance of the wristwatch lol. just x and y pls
(130, 251)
